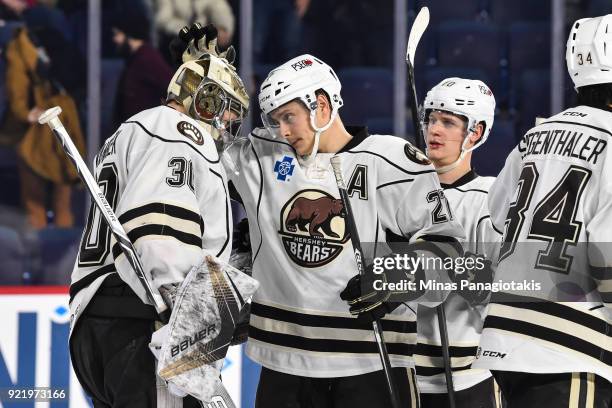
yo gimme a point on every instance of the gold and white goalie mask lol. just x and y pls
(213, 94)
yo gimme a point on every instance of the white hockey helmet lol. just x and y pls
(469, 98)
(589, 51)
(299, 78)
(207, 87)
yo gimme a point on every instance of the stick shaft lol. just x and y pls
(109, 216)
(414, 109)
(356, 242)
(418, 28)
(448, 373)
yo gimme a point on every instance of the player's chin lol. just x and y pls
(299, 149)
(435, 152)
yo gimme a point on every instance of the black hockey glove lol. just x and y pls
(369, 304)
(242, 240)
(241, 331)
(474, 279)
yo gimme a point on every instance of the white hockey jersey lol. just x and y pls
(161, 173)
(468, 199)
(553, 199)
(302, 254)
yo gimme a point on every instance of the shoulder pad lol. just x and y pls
(479, 183)
(262, 133)
(168, 125)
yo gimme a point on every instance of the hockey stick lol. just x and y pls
(336, 163)
(416, 32)
(448, 372)
(51, 118)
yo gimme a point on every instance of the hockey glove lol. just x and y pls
(369, 304)
(241, 331)
(474, 279)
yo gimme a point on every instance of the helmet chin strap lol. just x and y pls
(308, 159)
(464, 151)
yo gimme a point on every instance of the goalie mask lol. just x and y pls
(213, 94)
(588, 55)
(300, 79)
(470, 99)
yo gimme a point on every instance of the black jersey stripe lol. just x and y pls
(601, 273)
(431, 350)
(471, 190)
(173, 141)
(327, 345)
(337, 322)
(556, 337)
(261, 180)
(431, 371)
(162, 208)
(89, 278)
(395, 182)
(567, 122)
(413, 173)
(553, 309)
(227, 214)
(253, 135)
(159, 229)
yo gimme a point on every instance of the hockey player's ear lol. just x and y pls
(323, 105)
(477, 134)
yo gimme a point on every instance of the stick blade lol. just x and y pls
(416, 32)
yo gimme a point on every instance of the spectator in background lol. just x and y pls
(39, 13)
(172, 15)
(32, 87)
(146, 75)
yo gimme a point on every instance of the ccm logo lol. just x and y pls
(301, 64)
(491, 353)
(582, 115)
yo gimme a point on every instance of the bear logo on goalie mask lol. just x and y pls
(313, 230)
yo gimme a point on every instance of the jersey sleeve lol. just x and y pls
(421, 213)
(599, 233)
(487, 237)
(165, 186)
(502, 190)
(419, 210)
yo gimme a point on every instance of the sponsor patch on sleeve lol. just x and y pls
(415, 155)
(190, 131)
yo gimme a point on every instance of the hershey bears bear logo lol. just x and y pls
(191, 132)
(313, 228)
(415, 155)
